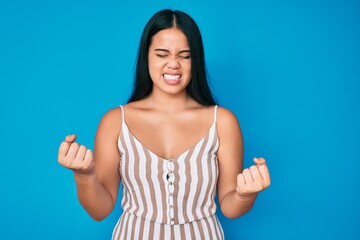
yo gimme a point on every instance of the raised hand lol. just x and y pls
(75, 156)
(253, 179)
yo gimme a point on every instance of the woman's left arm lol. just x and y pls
(237, 187)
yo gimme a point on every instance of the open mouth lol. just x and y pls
(172, 78)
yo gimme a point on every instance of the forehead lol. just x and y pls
(169, 38)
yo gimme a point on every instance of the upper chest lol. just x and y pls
(168, 135)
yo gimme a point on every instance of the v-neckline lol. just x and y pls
(175, 157)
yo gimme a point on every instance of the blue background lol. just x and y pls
(289, 70)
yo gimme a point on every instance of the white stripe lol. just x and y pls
(167, 233)
(131, 172)
(125, 219)
(129, 228)
(166, 207)
(122, 166)
(126, 194)
(146, 230)
(194, 180)
(144, 181)
(211, 224)
(187, 231)
(215, 112)
(204, 168)
(218, 227)
(214, 175)
(196, 230)
(156, 230)
(137, 228)
(124, 161)
(182, 184)
(127, 197)
(205, 229)
(177, 232)
(158, 191)
(141, 163)
(120, 146)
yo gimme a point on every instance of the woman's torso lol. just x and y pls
(170, 191)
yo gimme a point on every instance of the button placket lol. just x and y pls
(170, 184)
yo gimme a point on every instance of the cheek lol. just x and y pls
(154, 68)
(187, 68)
(155, 63)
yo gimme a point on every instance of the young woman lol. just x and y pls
(171, 146)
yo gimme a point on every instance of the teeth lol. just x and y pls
(171, 77)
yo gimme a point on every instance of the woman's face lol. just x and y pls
(170, 61)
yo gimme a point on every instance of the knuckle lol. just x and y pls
(75, 145)
(64, 145)
(77, 157)
(63, 148)
(253, 169)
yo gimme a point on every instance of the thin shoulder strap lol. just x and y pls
(215, 112)
(122, 113)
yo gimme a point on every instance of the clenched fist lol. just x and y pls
(75, 156)
(254, 179)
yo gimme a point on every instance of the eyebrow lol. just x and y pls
(165, 50)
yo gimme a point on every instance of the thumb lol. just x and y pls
(259, 161)
(70, 138)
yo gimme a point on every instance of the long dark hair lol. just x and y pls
(198, 87)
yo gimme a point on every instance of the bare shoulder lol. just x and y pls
(230, 152)
(226, 119)
(228, 126)
(112, 116)
(111, 121)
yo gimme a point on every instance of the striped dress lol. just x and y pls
(168, 198)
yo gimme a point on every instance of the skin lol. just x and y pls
(97, 176)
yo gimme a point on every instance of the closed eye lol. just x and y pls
(185, 57)
(161, 55)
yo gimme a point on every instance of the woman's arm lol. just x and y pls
(97, 177)
(237, 188)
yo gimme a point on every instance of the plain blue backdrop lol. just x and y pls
(289, 70)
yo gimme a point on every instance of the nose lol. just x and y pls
(173, 63)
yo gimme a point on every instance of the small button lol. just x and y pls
(171, 206)
(170, 183)
(170, 194)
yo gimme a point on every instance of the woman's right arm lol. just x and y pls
(97, 176)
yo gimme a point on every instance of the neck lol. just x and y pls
(169, 102)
